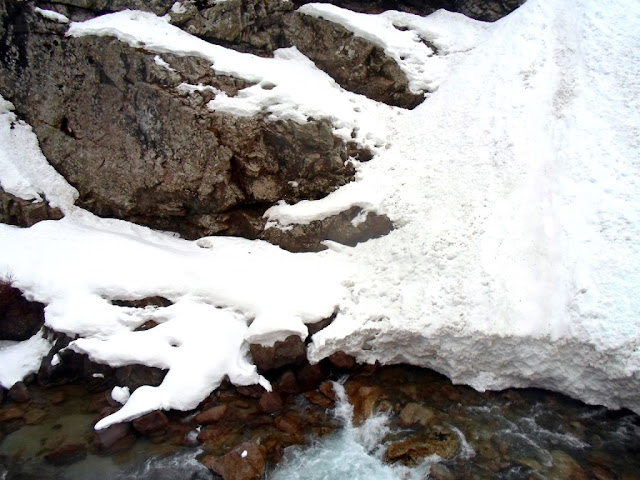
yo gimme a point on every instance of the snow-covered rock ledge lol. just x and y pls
(514, 189)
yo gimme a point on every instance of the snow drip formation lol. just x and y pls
(513, 188)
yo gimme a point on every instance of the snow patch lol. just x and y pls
(19, 359)
(51, 15)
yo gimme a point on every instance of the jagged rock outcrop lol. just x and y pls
(355, 63)
(246, 25)
(16, 211)
(113, 123)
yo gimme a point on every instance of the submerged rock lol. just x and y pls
(412, 450)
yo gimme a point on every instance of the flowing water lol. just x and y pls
(398, 423)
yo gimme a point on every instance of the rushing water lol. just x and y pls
(511, 435)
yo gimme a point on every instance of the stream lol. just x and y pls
(397, 423)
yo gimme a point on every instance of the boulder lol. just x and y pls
(342, 360)
(20, 319)
(291, 351)
(412, 450)
(152, 423)
(310, 376)
(66, 454)
(106, 115)
(107, 437)
(244, 462)
(271, 402)
(19, 393)
(413, 414)
(211, 415)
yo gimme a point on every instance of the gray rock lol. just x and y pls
(111, 121)
(355, 63)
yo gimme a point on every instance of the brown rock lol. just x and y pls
(34, 416)
(566, 467)
(25, 213)
(151, 423)
(57, 398)
(319, 399)
(10, 413)
(291, 351)
(66, 454)
(287, 424)
(342, 360)
(413, 414)
(412, 450)
(271, 402)
(310, 377)
(253, 391)
(107, 437)
(287, 383)
(211, 415)
(326, 388)
(19, 393)
(244, 462)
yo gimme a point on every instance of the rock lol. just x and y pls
(413, 414)
(310, 376)
(412, 450)
(350, 227)
(152, 423)
(134, 376)
(316, 327)
(66, 454)
(34, 416)
(438, 471)
(244, 462)
(342, 360)
(565, 467)
(253, 391)
(287, 424)
(20, 319)
(155, 301)
(19, 393)
(271, 402)
(107, 437)
(10, 413)
(356, 63)
(319, 399)
(25, 213)
(287, 383)
(326, 388)
(254, 26)
(211, 415)
(97, 104)
(291, 351)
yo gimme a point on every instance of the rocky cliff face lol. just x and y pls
(112, 121)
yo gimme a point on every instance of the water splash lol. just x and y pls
(353, 452)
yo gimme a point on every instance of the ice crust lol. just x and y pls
(514, 190)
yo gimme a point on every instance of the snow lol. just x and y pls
(513, 188)
(24, 171)
(19, 359)
(51, 15)
(120, 394)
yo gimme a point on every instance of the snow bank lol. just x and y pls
(514, 190)
(19, 359)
